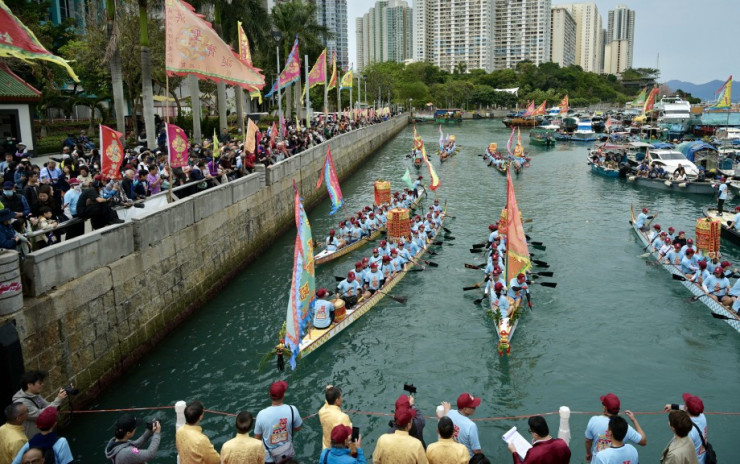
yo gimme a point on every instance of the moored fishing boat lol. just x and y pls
(520, 122)
(718, 310)
(541, 136)
(601, 170)
(325, 255)
(692, 187)
(729, 233)
(316, 338)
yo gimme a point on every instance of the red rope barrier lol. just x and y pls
(388, 414)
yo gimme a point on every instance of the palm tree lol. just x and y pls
(113, 55)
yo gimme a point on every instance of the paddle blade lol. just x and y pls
(474, 250)
(400, 299)
(447, 230)
(679, 277)
(478, 245)
(433, 264)
(431, 253)
(548, 284)
(536, 243)
(542, 264)
(644, 255)
(539, 247)
(449, 237)
(544, 273)
(338, 278)
(471, 266)
(478, 301)
(472, 287)
(720, 316)
(438, 242)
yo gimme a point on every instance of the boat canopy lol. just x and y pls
(663, 145)
(689, 149)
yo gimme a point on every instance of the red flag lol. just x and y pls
(111, 152)
(177, 146)
(540, 111)
(564, 105)
(250, 143)
(650, 102)
(273, 134)
(517, 252)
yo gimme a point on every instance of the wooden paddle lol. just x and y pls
(473, 287)
(474, 266)
(539, 263)
(543, 274)
(428, 262)
(478, 301)
(476, 250)
(447, 230)
(540, 247)
(479, 245)
(400, 299)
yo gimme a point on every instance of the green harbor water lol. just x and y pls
(613, 324)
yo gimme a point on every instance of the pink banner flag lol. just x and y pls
(193, 47)
(177, 145)
(283, 128)
(273, 134)
(317, 75)
(111, 152)
(292, 71)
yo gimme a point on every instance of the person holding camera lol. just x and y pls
(122, 450)
(399, 447)
(32, 382)
(344, 449)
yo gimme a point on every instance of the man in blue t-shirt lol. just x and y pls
(276, 424)
(323, 310)
(618, 452)
(466, 432)
(597, 436)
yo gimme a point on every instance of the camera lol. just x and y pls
(150, 425)
(409, 387)
(71, 390)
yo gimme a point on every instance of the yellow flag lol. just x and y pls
(346, 80)
(216, 152)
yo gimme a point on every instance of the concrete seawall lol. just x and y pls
(95, 304)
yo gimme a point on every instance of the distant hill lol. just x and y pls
(704, 91)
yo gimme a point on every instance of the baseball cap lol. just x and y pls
(8, 185)
(47, 418)
(402, 417)
(126, 423)
(277, 389)
(694, 404)
(403, 403)
(466, 400)
(340, 433)
(611, 402)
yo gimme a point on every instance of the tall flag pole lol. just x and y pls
(332, 183)
(18, 41)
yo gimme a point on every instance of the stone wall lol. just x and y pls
(94, 304)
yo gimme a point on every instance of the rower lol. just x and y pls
(642, 219)
(702, 274)
(497, 276)
(672, 233)
(437, 219)
(349, 289)
(373, 279)
(359, 272)
(415, 223)
(323, 310)
(520, 282)
(681, 238)
(674, 256)
(355, 233)
(734, 224)
(429, 223)
(689, 263)
(437, 208)
(654, 233)
(494, 260)
(376, 257)
(331, 242)
(403, 252)
(493, 235)
(667, 246)
(344, 231)
(372, 223)
(727, 270)
(418, 240)
(417, 186)
(385, 248)
(499, 301)
(689, 244)
(381, 218)
(388, 269)
(659, 241)
(397, 261)
(718, 286)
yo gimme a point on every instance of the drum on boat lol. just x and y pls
(340, 310)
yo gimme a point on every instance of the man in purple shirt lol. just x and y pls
(545, 449)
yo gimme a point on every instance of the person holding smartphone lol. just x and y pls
(346, 447)
(122, 450)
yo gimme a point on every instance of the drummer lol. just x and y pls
(323, 310)
(349, 289)
(417, 186)
(718, 286)
(376, 257)
(373, 280)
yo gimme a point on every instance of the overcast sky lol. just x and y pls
(697, 39)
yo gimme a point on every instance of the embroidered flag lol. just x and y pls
(317, 74)
(193, 47)
(18, 41)
(441, 138)
(510, 142)
(640, 99)
(518, 149)
(292, 71)
(255, 94)
(273, 89)
(111, 152)
(273, 134)
(407, 179)
(650, 101)
(540, 111)
(434, 185)
(177, 145)
(564, 105)
(332, 183)
(244, 54)
(724, 100)
(216, 150)
(517, 253)
(333, 77)
(530, 110)
(608, 124)
(346, 80)
(251, 141)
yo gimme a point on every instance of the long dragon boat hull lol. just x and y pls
(727, 233)
(729, 316)
(696, 188)
(325, 256)
(316, 338)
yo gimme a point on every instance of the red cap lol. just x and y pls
(702, 264)
(383, 243)
(521, 277)
(386, 259)
(342, 223)
(277, 389)
(402, 417)
(74, 181)
(47, 418)
(394, 251)
(98, 177)
(671, 229)
(420, 177)
(372, 215)
(374, 265)
(681, 232)
(644, 210)
(429, 215)
(466, 400)
(663, 234)
(351, 276)
(677, 246)
(725, 264)
(492, 227)
(496, 270)
(358, 264)
(611, 402)
(403, 403)
(656, 227)
(321, 293)
(498, 286)
(689, 251)
(737, 208)
(668, 241)
(375, 251)
(365, 260)
(694, 404)
(718, 270)
(340, 433)
(691, 240)
(331, 232)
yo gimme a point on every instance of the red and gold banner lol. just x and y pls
(244, 54)
(250, 143)
(650, 101)
(333, 79)
(193, 47)
(564, 105)
(177, 145)
(292, 71)
(517, 252)
(540, 111)
(111, 152)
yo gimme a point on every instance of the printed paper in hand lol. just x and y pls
(515, 438)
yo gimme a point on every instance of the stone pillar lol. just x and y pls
(11, 290)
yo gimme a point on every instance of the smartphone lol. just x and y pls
(355, 433)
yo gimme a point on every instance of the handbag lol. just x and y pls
(284, 452)
(710, 455)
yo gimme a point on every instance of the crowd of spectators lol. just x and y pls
(44, 204)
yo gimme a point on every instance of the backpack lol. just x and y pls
(711, 456)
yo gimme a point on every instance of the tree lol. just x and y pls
(113, 57)
(147, 93)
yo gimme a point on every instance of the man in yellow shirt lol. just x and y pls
(399, 447)
(331, 415)
(12, 434)
(447, 450)
(243, 449)
(192, 445)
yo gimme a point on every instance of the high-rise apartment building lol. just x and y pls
(421, 30)
(332, 14)
(387, 33)
(360, 44)
(521, 32)
(562, 37)
(457, 32)
(621, 27)
(589, 36)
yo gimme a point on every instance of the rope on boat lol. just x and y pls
(389, 414)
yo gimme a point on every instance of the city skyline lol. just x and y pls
(662, 36)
